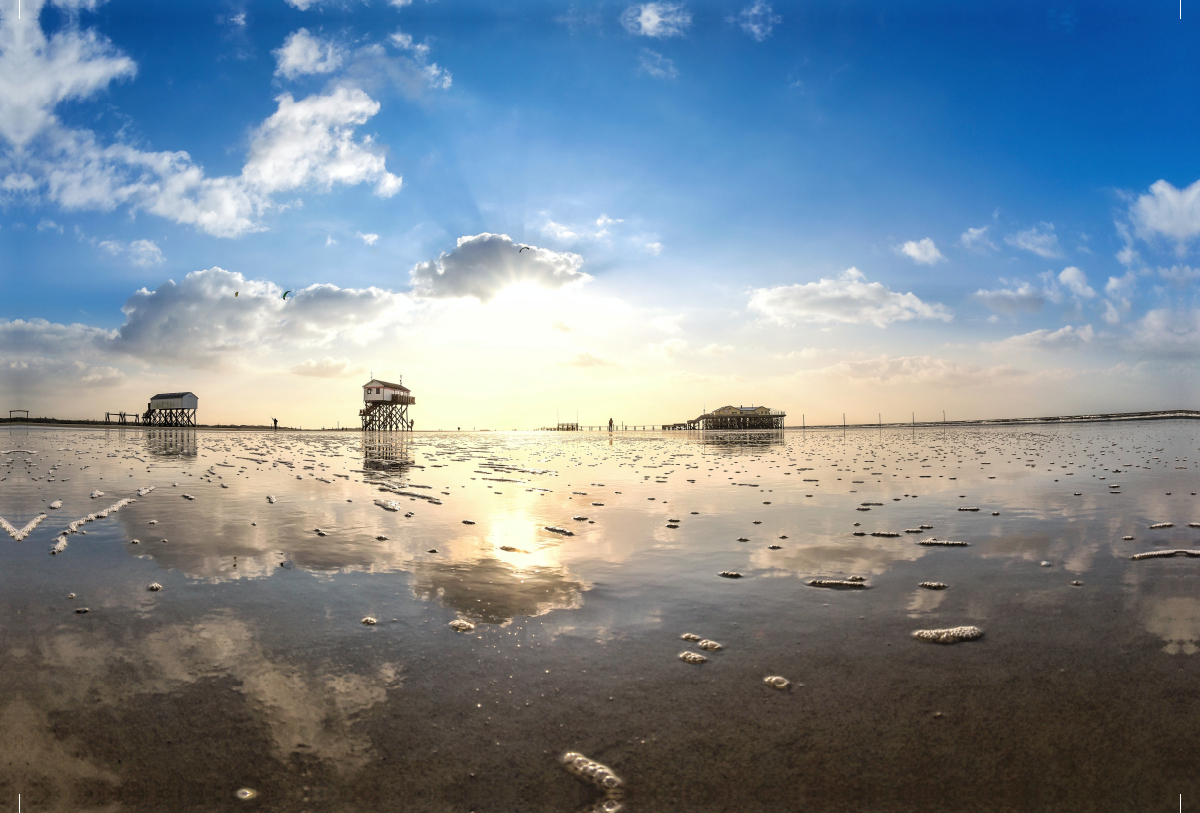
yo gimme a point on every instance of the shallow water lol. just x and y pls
(252, 669)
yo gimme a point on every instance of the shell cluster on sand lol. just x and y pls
(711, 646)
(154, 587)
(1162, 525)
(776, 682)
(461, 625)
(694, 658)
(837, 584)
(1157, 554)
(56, 504)
(599, 775)
(554, 529)
(885, 534)
(690, 636)
(963, 508)
(932, 585)
(370, 621)
(949, 636)
(933, 541)
(730, 574)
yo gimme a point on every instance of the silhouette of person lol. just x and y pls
(276, 422)
(610, 424)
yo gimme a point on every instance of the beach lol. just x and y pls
(251, 670)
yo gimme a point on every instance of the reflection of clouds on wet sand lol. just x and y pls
(494, 591)
(856, 556)
(1176, 621)
(36, 759)
(1074, 550)
(925, 601)
(308, 710)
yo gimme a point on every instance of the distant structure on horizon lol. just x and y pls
(385, 406)
(734, 417)
(171, 409)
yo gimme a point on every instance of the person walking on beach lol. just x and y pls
(276, 422)
(610, 424)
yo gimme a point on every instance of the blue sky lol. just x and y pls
(822, 206)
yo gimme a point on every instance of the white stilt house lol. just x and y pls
(171, 409)
(385, 406)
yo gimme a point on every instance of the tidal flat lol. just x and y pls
(225, 661)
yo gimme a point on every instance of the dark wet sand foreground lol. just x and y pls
(251, 669)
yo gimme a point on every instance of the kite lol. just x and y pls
(235, 293)
(522, 248)
(285, 293)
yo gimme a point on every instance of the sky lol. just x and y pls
(532, 212)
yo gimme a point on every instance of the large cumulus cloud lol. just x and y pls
(480, 266)
(849, 298)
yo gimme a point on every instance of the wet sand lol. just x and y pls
(251, 667)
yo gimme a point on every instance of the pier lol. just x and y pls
(733, 418)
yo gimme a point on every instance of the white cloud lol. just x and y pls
(1068, 337)
(1180, 274)
(39, 374)
(329, 241)
(922, 252)
(200, 321)
(715, 349)
(369, 239)
(654, 248)
(399, 3)
(1111, 315)
(849, 298)
(802, 353)
(1041, 240)
(758, 20)
(1168, 212)
(656, 65)
(305, 144)
(302, 53)
(1167, 333)
(49, 225)
(668, 324)
(1122, 285)
(670, 348)
(923, 370)
(1076, 282)
(588, 360)
(976, 239)
(311, 143)
(436, 76)
(602, 224)
(327, 368)
(139, 252)
(656, 19)
(562, 232)
(37, 74)
(1024, 297)
(40, 338)
(483, 264)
